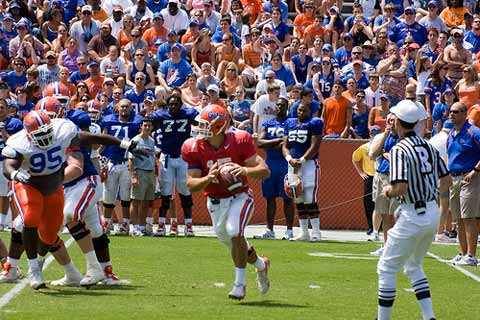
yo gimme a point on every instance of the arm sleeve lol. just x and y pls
(398, 166)
(442, 166)
(317, 126)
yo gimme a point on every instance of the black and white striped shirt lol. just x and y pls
(417, 162)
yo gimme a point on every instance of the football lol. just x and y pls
(226, 178)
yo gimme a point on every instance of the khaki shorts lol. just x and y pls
(145, 189)
(383, 205)
(465, 198)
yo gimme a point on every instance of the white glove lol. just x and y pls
(20, 176)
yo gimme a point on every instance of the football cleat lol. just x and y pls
(36, 279)
(316, 236)
(374, 237)
(301, 237)
(148, 229)
(136, 232)
(288, 235)
(71, 280)
(10, 274)
(173, 229)
(94, 275)
(378, 252)
(110, 278)
(123, 229)
(267, 235)
(263, 282)
(160, 230)
(189, 230)
(238, 292)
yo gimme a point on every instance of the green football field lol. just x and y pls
(189, 278)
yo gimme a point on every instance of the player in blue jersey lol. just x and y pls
(138, 93)
(302, 139)
(125, 124)
(175, 123)
(271, 139)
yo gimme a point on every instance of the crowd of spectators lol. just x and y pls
(244, 55)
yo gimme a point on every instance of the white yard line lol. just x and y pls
(7, 297)
(458, 268)
(343, 256)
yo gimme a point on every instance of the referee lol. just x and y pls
(417, 174)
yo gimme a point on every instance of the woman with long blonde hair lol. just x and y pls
(231, 79)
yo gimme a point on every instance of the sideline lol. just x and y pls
(7, 297)
(462, 270)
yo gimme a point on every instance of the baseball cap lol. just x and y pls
(334, 8)
(14, 5)
(208, 2)
(327, 47)
(87, 8)
(448, 124)
(432, 3)
(171, 32)
(449, 90)
(22, 22)
(367, 43)
(410, 9)
(384, 95)
(375, 130)
(268, 26)
(8, 16)
(117, 8)
(194, 22)
(149, 98)
(93, 63)
(357, 62)
(173, 1)
(50, 54)
(106, 24)
(213, 87)
(347, 35)
(412, 46)
(158, 15)
(176, 46)
(297, 87)
(106, 80)
(406, 110)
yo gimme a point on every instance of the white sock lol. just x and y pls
(41, 260)
(259, 264)
(13, 262)
(70, 268)
(105, 264)
(162, 220)
(315, 224)
(240, 275)
(187, 221)
(33, 264)
(173, 220)
(149, 220)
(384, 313)
(3, 219)
(91, 258)
(427, 309)
(303, 225)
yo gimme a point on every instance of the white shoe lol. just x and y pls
(189, 230)
(267, 235)
(65, 230)
(301, 237)
(110, 278)
(93, 276)
(136, 232)
(378, 252)
(316, 236)
(148, 229)
(263, 282)
(71, 280)
(456, 259)
(161, 231)
(238, 292)
(374, 237)
(443, 238)
(288, 235)
(468, 260)
(10, 274)
(36, 279)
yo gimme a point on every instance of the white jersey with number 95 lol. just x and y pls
(42, 162)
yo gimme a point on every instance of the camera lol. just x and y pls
(87, 37)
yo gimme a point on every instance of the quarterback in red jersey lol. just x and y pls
(219, 163)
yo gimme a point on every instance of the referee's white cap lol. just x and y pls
(406, 110)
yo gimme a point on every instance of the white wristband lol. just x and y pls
(125, 144)
(288, 158)
(302, 160)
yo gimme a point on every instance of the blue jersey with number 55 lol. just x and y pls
(121, 130)
(300, 135)
(42, 162)
(175, 129)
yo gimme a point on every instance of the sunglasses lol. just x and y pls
(139, 55)
(226, 39)
(457, 35)
(445, 68)
(84, 100)
(356, 53)
(86, 13)
(409, 13)
(109, 84)
(50, 57)
(269, 78)
(465, 70)
(230, 69)
(81, 63)
(19, 64)
(326, 63)
(81, 86)
(135, 36)
(456, 111)
(117, 93)
(360, 96)
(139, 78)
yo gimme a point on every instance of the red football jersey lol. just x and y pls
(237, 147)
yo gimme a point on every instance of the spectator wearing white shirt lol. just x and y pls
(264, 108)
(270, 78)
(116, 20)
(174, 17)
(140, 11)
(85, 29)
(373, 93)
(108, 5)
(112, 65)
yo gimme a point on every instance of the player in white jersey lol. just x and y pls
(34, 161)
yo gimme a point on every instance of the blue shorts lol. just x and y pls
(273, 187)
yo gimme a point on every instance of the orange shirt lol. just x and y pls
(94, 87)
(123, 38)
(453, 17)
(378, 120)
(312, 32)
(468, 95)
(335, 115)
(301, 22)
(474, 115)
(253, 7)
(100, 15)
(151, 36)
(477, 66)
(251, 57)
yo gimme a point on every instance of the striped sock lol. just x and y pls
(422, 291)
(386, 297)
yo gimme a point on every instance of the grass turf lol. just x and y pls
(175, 278)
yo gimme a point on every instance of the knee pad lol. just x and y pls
(16, 237)
(312, 209)
(108, 205)
(79, 231)
(56, 246)
(166, 202)
(301, 210)
(101, 242)
(186, 201)
(125, 204)
(18, 224)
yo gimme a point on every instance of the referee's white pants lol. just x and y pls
(407, 243)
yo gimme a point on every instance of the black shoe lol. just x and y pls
(369, 232)
(453, 234)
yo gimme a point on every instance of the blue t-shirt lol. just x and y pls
(163, 52)
(401, 30)
(463, 149)
(474, 40)
(12, 126)
(267, 7)
(70, 9)
(435, 92)
(411, 71)
(362, 83)
(429, 52)
(23, 110)
(284, 74)
(281, 31)
(301, 68)
(137, 100)
(218, 35)
(440, 113)
(325, 83)
(399, 8)
(343, 57)
(76, 77)
(300, 135)
(241, 112)
(9, 35)
(121, 130)
(15, 81)
(384, 163)
(175, 73)
(175, 128)
(156, 6)
(350, 20)
(360, 124)
(275, 129)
